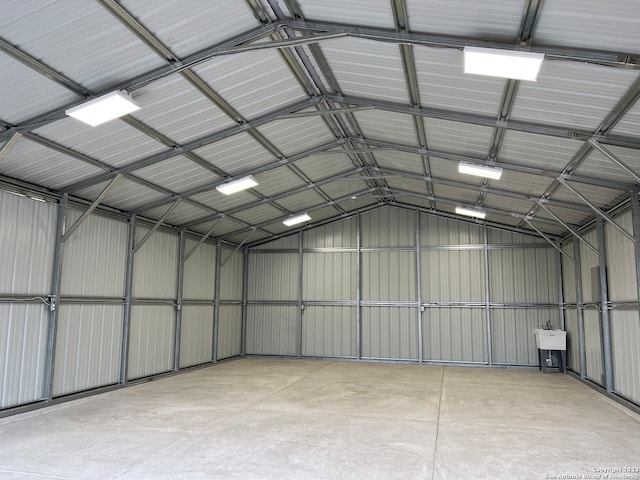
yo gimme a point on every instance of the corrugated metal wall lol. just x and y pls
(88, 347)
(229, 331)
(155, 269)
(387, 289)
(571, 312)
(196, 335)
(199, 272)
(231, 275)
(624, 316)
(151, 341)
(26, 261)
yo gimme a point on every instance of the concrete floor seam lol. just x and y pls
(435, 445)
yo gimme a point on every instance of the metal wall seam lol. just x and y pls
(487, 298)
(179, 295)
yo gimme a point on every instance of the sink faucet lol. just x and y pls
(547, 326)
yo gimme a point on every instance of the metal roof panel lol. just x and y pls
(236, 154)
(178, 174)
(540, 151)
(360, 12)
(292, 136)
(456, 137)
(125, 195)
(389, 126)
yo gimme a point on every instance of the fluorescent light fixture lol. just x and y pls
(513, 64)
(38, 199)
(237, 185)
(480, 170)
(102, 109)
(291, 221)
(471, 212)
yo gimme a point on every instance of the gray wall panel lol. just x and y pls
(231, 275)
(523, 275)
(454, 335)
(621, 269)
(27, 254)
(513, 342)
(230, 331)
(271, 330)
(282, 280)
(329, 331)
(342, 233)
(285, 243)
(200, 271)
(568, 275)
(329, 276)
(94, 257)
(388, 227)
(390, 332)
(453, 276)
(444, 231)
(23, 343)
(389, 276)
(151, 342)
(88, 347)
(511, 238)
(593, 346)
(196, 335)
(589, 260)
(573, 339)
(625, 340)
(155, 266)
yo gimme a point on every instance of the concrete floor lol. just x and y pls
(305, 419)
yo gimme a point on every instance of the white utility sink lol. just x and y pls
(550, 339)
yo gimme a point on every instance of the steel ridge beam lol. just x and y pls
(599, 57)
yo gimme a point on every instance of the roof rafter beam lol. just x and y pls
(454, 157)
(483, 120)
(551, 242)
(600, 57)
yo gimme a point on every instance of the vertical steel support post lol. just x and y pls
(300, 304)
(359, 287)
(245, 293)
(635, 216)
(128, 287)
(216, 303)
(179, 298)
(582, 349)
(560, 290)
(604, 294)
(419, 288)
(487, 294)
(54, 306)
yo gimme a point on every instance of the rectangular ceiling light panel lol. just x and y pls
(237, 185)
(102, 109)
(480, 170)
(493, 62)
(291, 221)
(471, 212)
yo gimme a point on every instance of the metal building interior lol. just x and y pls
(353, 344)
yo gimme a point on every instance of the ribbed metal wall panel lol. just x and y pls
(271, 330)
(291, 242)
(329, 331)
(512, 337)
(589, 260)
(390, 332)
(200, 271)
(454, 335)
(23, 341)
(151, 342)
(388, 227)
(342, 233)
(443, 231)
(94, 257)
(568, 275)
(593, 346)
(495, 236)
(621, 269)
(453, 276)
(389, 276)
(196, 335)
(523, 275)
(26, 243)
(89, 340)
(573, 339)
(231, 275)
(155, 265)
(229, 331)
(282, 280)
(625, 338)
(329, 276)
